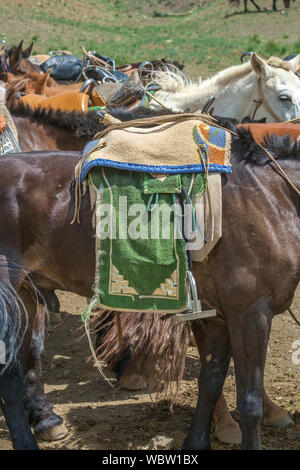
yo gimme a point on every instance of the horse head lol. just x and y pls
(278, 90)
(19, 62)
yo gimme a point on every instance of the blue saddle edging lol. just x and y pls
(158, 169)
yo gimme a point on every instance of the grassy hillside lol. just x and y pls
(207, 35)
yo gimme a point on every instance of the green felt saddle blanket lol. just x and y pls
(141, 262)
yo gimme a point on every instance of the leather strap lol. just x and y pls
(262, 100)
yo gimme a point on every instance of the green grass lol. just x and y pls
(208, 38)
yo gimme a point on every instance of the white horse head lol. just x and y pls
(280, 90)
(254, 89)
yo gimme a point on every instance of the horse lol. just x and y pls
(37, 244)
(57, 130)
(237, 3)
(255, 88)
(15, 61)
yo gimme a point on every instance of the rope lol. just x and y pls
(293, 316)
(97, 363)
(158, 120)
(283, 173)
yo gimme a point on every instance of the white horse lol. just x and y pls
(255, 89)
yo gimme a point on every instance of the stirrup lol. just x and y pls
(195, 311)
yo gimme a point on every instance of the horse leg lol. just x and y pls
(11, 380)
(255, 4)
(11, 403)
(249, 339)
(127, 382)
(226, 428)
(46, 424)
(245, 6)
(51, 300)
(274, 5)
(274, 415)
(216, 354)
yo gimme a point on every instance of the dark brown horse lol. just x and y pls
(57, 130)
(237, 3)
(15, 61)
(250, 276)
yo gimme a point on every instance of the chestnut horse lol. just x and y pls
(37, 240)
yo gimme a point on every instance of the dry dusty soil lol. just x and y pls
(98, 418)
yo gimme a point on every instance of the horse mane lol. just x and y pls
(19, 83)
(173, 80)
(79, 123)
(281, 147)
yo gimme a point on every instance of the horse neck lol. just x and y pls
(233, 88)
(36, 135)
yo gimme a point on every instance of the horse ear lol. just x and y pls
(295, 63)
(259, 65)
(15, 56)
(27, 52)
(42, 83)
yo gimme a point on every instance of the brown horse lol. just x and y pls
(56, 130)
(15, 61)
(37, 201)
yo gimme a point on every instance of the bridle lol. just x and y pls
(262, 100)
(4, 64)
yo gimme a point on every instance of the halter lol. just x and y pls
(4, 64)
(262, 100)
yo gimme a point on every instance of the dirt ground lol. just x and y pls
(101, 418)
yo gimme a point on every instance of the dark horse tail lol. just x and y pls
(13, 325)
(234, 2)
(157, 348)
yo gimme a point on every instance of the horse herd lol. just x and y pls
(250, 276)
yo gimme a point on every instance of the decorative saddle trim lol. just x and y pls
(189, 146)
(8, 142)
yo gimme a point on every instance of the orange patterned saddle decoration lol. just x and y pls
(2, 123)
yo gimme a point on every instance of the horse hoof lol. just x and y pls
(133, 382)
(278, 419)
(229, 433)
(53, 434)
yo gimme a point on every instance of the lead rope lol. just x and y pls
(283, 173)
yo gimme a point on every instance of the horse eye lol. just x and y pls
(285, 98)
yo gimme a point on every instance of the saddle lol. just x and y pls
(69, 101)
(166, 166)
(63, 67)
